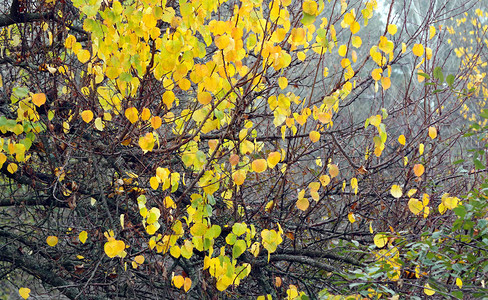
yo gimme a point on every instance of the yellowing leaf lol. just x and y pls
(432, 132)
(351, 217)
(401, 140)
(83, 236)
(396, 191)
(417, 207)
(333, 170)
(357, 42)
(273, 159)
(418, 169)
(302, 204)
(392, 29)
(283, 82)
(52, 240)
(418, 50)
(87, 116)
(314, 136)
(132, 114)
(146, 142)
(428, 290)
(24, 292)
(39, 99)
(259, 165)
(380, 240)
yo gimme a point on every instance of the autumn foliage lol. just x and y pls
(243, 149)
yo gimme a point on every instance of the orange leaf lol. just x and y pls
(418, 169)
(39, 99)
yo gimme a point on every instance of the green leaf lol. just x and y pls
(450, 80)
(307, 19)
(239, 228)
(477, 164)
(424, 75)
(438, 74)
(239, 248)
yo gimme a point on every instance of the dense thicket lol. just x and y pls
(206, 149)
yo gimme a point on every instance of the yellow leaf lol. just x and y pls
(333, 170)
(24, 292)
(83, 55)
(421, 149)
(168, 98)
(432, 132)
(459, 283)
(12, 168)
(401, 140)
(411, 192)
(146, 114)
(139, 259)
(418, 169)
(168, 202)
(87, 116)
(114, 247)
(39, 99)
(351, 217)
(428, 290)
(283, 82)
(132, 114)
(396, 191)
(342, 50)
(178, 281)
(310, 7)
(375, 120)
(259, 165)
(52, 240)
(204, 98)
(355, 27)
(324, 180)
(431, 32)
(404, 48)
(99, 124)
(418, 50)
(392, 29)
(415, 206)
(83, 236)
(314, 136)
(273, 159)
(380, 240)
(187, 284)
(302, 204)
(154, 183)
(376, 74)
(371, 227)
